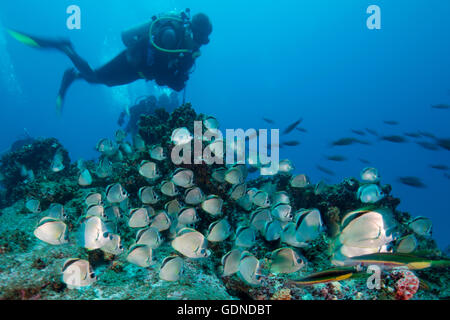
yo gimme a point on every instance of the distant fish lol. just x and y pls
(441, 106)
(292, 126)
(33, 205)
(372, 132)
(412, 182)
(181, 136)
(358, 132)
(441, 167)
(444, 143)
(391, 122)
(290, 143)
(370, 175)
(85, 178)
(211, 123)
(427, 134)
(394, 139)
(299, 181)
(326, 170)
(348, 141)
(57, 164)
(412, 134)
(365, 161)
(336, 158)
(303, 130)
(427, 145)
(421, 226)
(270, 121)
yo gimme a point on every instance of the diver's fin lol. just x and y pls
(36, 42)
(70, 75)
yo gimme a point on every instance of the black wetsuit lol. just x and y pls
(141, 60)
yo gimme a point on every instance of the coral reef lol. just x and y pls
(31, 269)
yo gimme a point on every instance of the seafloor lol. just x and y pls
(31, 269)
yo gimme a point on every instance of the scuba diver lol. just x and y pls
(164, 49)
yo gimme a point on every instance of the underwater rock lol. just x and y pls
(35, 158)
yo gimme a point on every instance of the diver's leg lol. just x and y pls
(119, 71)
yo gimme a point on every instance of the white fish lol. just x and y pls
(369, 193)
(52, 231)
(77, 273)
(421, 226)
(281, 197)
(309, 225)
(234, 176)
(107, 147)
(173, 207)
(285, 260)
(56, 211)
(113, 245)
(272, 230)
(259, 218)
(219, 231)
(93, 233)
(171, 268)
(141, 255)
(288, 236)
(120, 135)
(211, 123)
(169, 189)
(104, 168)
(33, 205)
(149, 236)
(57, 164)
(363, 232)
(96, 210)
(127, 148)
(191, 244)
(238, 191)
(149, 170)
(230, 262)
(245, 237)
(219, 174)
(299, 181)
(213, 205)
(85, 178)
(194, 196)
(112, 213)
(181, 136)
(93, 198)
(139, 218)
(286, 166)
(148, 195)
(115, 193)
(245, 202)
(249, 269)
(320, 188)
(261, 199)
(188, 216)
(282, 212)
(161, 221)
(183, 178)
(370, 175)
(407, 244)
(139, 143)
(157, 153)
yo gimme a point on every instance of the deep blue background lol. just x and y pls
(279, 59)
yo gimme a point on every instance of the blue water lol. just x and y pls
(283, 60)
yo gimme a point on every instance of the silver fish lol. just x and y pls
(115, 193)
(171, 268)
(148, 195)
(139, 218)
(77, 273)
(52, 231)
(141, 255)
(219, 231)
(191, 244)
